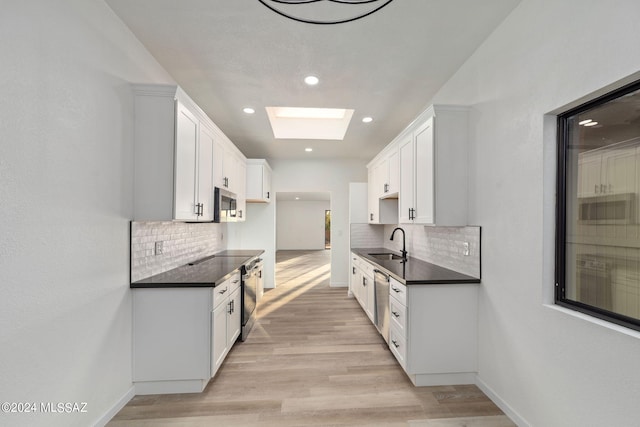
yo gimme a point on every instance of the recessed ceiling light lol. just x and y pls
(308, 150)
(590, 124)
(367, 119)
(311, 80)
(249, 110)
(584, 122)
(297, 198)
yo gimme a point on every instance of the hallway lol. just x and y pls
(313, 358)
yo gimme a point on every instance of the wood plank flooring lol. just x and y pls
(313, 359)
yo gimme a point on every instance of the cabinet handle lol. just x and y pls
(394, 289)
(240, 213)
(235, 281)
(230, 309)
(395, 314)
(602, 188)
(371, 217)
(396, 345)
(364, 281)
(353, 270)
(260, 274)
(595, 188)
(386, 188)
(268, 194)
(222, 291)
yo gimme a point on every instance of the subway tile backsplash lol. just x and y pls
(181, 243)
(443, 246)
(366, 236)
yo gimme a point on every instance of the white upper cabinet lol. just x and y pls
(433, 168)
(607, 171)
(231, 168)
(386, 175)
(178, 153)
(258, 181)
(187, 205)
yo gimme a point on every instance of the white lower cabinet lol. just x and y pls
(177, 335)
(362, 285)
(225, 320)
(433, 332)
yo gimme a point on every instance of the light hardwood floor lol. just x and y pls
(313, 358)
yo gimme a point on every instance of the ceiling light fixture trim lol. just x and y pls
(293, 9)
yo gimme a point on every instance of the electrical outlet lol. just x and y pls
(159, 248)
(465, 248)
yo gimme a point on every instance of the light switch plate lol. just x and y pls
(159, 248)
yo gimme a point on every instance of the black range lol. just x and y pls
(414, 271)
(206, 272)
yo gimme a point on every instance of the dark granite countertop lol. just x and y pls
(414, 271)
(209, 271)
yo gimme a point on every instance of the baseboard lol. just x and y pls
(503, 405)
(338, 285)
(104, 419)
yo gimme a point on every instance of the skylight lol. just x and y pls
(309, 123)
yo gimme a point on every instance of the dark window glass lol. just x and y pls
(598, 226)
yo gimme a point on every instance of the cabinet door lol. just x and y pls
(218, 162)
(424, 174)
(205, 173)
(394, 173)
(589, 167)
(266, 183)
(241, 189)
(185, 164)
(233, 318)
(405, 194)
(619, 168)
(218, 335)
(369, 296)
(372, 198)
(380, 179)
(353, 279)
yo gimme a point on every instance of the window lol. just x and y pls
(598, 207)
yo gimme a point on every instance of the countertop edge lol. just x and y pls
(362, 252)
(141, 284)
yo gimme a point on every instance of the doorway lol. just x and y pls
(303, 226)
(327, 229)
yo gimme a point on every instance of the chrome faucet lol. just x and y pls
(404, 249)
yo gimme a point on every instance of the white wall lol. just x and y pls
(300, 224)
(550, 366)
(257, 232)
(66, 179)
(325, 175)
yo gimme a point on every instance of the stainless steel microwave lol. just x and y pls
(607, 209)
(225, 205)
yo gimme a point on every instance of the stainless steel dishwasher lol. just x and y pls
(381, 283)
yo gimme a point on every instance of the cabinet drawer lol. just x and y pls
(398, 291)
(397, 344)
(224, 289)
(398, 314)
(221, 293)
(234, 281)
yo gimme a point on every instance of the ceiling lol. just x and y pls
(232, 54)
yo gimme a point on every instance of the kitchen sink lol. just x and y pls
(386, 256)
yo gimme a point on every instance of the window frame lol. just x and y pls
(561, 214)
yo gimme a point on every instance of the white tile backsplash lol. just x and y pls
(182, 243)
(443, 246)
(366, 236)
